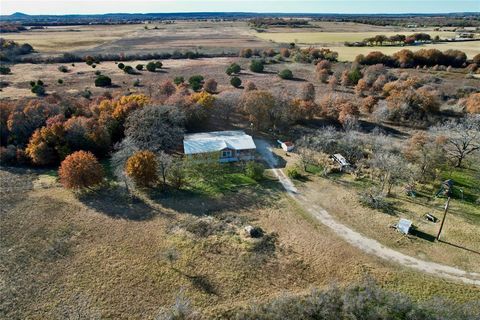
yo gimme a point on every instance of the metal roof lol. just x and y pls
(404, 226)
(216, 141)
(341, 159)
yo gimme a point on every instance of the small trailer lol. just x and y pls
(287, 146)
(340, 160)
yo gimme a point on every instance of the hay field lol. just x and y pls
(206, 37)
(349, 53)
(335, 40)
(72, 38)
(335, 37)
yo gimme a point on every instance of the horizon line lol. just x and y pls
(243, 12)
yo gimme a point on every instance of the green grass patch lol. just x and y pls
(108, 169)
(224, 179)
(466, 191)
(51, 173)
(221, 184)
(313, 169)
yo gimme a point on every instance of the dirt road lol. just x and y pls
(358, 240)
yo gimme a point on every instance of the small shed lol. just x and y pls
(287, 145)
(344, 164)
(404, 226)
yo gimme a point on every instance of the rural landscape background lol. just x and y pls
(103, 216)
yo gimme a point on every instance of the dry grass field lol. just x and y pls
(82, 76)
(327, 38)
(335, 40)
(349, 53)
(206, 37)
(462, 242)
(103, 255)
(215, 37)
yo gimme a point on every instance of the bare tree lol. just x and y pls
(181, 310)
(390, 170)
(123, 150)
(164, 162)
(226, 103)
(155, 128)
(307, 92)
(461, 138)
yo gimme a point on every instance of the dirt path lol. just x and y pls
(358, 240)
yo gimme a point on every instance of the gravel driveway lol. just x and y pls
(358, 240)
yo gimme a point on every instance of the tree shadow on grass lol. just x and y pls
(202, 283)
(117, 203)
(459, 246)
(195, 202)
(422, 235)
(266, 72)
(298, 79)
(368, 127)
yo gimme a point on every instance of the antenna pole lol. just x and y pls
(443, 220)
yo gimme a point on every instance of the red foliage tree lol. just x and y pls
(80, 170)
(142, 168)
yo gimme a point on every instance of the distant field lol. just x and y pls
(69, 38)
(349, 53)
(213, 37)
(335, 37)
(206, 37)
(335, 40)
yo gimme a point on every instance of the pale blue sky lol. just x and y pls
(290, 6)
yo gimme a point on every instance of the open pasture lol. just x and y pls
(332, 37)
(349, 53)
(105, 256)
(335, 41)
(206, 37)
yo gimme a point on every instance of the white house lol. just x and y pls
(230, 145)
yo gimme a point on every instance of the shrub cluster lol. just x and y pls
(236, 82)
(233, 69)
(103, 81)
(4, 70)
(359, 301)
(256, 66)
(408, 59)
(286, 74)
(196, 82)
(254, 170)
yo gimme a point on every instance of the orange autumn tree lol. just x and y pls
(142, 168)
(112, 113)
(80, 170)
(47, 145)
(473, 103)
(257, 105)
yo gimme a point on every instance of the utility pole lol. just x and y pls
(443, 220)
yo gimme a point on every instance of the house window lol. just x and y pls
(226, 154)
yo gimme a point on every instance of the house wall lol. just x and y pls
(245, 154)
(236, 155)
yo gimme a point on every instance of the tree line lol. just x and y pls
(424, 57)
(395, 40)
